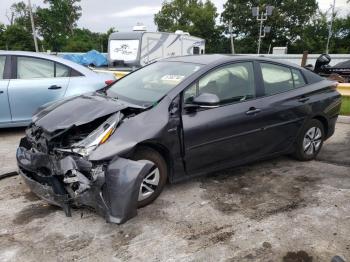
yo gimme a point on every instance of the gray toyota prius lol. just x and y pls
(115, 149)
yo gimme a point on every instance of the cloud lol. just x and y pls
(138, 11)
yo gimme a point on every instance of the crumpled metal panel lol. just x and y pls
(113, 191)
(123, 181)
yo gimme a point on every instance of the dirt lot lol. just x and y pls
(277, 210)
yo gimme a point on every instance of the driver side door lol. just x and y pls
(229, 133)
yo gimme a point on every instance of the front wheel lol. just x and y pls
(309, 141)
(154, 181)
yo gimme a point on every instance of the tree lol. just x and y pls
(82, 40)
(56, 23)
(193, 16)
(341, 36)
(15, 37)
(313, 37)
(18, 34)
(19, 14)
(287, 21)
(104, 39)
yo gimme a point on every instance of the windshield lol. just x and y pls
(149, 84)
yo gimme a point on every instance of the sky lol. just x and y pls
(100, 15)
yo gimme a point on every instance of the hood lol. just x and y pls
(77, 111)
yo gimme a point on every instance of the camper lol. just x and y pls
(130, 50)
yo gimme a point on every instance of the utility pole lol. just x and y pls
(261, 18)
(230, 29)
(33, 26)
(330, 28)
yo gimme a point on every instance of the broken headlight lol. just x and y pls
(97, 137)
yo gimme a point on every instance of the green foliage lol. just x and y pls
(193, 16)
(56, 23)
(345, 106)
(19, 14)
(313, 37)
(15, 37)
(18, 34)
(341, 37)
(84, 40)
(297, 24)
(287, 21)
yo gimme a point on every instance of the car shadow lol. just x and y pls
(12, 131)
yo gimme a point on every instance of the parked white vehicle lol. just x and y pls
(138, 48)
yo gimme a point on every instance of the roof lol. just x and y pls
(126, 35)
(197, 59)
(138, 35)
(55, 58)
(221, 58)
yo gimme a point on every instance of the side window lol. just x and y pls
(75, 73)
(2, 66)
(29, 67)
(62, 70)
(277, 79)
(298, 78)
(232, 83)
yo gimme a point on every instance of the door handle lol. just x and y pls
(253, 111)
(303, 99)
(1, 92)
(53, 87)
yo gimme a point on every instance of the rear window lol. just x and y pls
(311, 77)
(279, 79)
(298, 78)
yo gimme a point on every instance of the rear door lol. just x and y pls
(35, 83)
(5, 114)
(284, 107)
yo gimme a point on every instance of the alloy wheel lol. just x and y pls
(150, 182)
(312, 140)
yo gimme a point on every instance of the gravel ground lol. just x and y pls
(277, 210)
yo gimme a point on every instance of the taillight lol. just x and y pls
(109, 82)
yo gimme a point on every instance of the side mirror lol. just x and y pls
(204, 100)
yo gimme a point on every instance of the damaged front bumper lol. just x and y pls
(111, 188)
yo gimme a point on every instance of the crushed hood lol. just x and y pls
(77, 111)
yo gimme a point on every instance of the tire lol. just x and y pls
(312, 134)
(151, 155)
(337, 259)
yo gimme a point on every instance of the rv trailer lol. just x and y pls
(138, 48)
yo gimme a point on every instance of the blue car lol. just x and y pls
(29, 80)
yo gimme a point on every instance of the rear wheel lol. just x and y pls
(309, 141)
(154, 181)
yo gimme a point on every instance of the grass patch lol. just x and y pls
(345, 106)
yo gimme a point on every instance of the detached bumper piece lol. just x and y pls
(111, 189)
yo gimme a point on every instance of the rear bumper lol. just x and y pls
(111, 190)
(331, 126)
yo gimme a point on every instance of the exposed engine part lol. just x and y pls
(77, 181)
